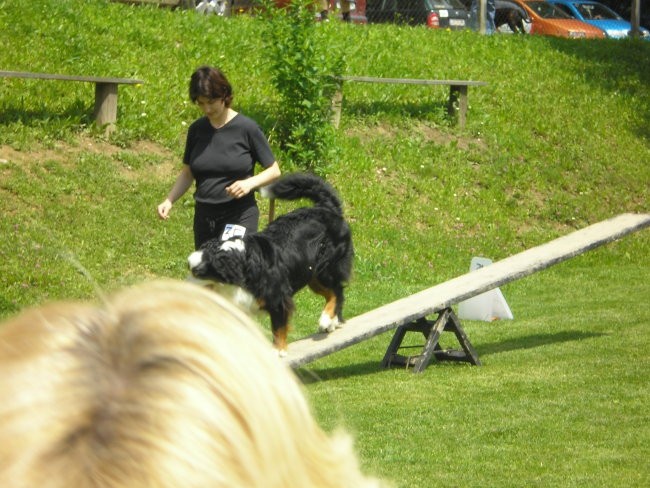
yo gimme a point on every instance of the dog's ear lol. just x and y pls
(228, 266)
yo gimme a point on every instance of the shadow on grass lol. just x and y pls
(314, 375)
(310, 375)
(77, 112)
(532, 341)
(424, 109)
(615, 66)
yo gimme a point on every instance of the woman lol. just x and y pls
(221, 151)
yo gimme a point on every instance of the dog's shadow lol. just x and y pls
(317, 375)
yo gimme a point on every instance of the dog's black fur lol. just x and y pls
(510, 16)
(310, 246)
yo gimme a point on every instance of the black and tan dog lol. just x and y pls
(511, 14)
(310, 246)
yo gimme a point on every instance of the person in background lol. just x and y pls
(490, 13)
(221, 151)
(346, 7)
(163, 385)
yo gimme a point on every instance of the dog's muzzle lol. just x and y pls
(195, 260)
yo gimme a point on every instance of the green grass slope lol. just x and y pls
(558, 139)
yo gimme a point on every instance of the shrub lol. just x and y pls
(302, 71)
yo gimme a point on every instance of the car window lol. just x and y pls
(547, 10)
(595, 11)
(565, 9)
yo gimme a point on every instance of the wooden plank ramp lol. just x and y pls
(444, 295)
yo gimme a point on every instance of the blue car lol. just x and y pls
(600, 16)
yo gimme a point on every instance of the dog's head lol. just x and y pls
(220, 261)
(219, 266)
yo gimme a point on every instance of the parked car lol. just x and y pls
(443, 14)
(547, 19)
(598, 15)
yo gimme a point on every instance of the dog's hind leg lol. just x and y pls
(331, 317)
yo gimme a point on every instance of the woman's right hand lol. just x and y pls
(164, 209)
(183, 182)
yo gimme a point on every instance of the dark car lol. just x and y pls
(443, 14)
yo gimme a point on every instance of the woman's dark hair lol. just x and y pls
(211, 83)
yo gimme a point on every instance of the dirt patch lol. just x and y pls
(429, 133)
(61, 151)
(66, 153)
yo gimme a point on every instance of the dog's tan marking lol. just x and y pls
(327, 294)
(280, 338)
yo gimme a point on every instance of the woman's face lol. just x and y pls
(213, 108)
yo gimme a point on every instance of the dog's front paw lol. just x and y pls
(282, 353)
(327, 324)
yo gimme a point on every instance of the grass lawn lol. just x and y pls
(559, 401)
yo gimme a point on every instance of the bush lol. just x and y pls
(302, 71)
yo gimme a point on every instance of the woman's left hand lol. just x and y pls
(239, 189)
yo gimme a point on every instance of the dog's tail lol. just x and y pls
(304, 185)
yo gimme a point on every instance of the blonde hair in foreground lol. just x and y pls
(165, 385)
